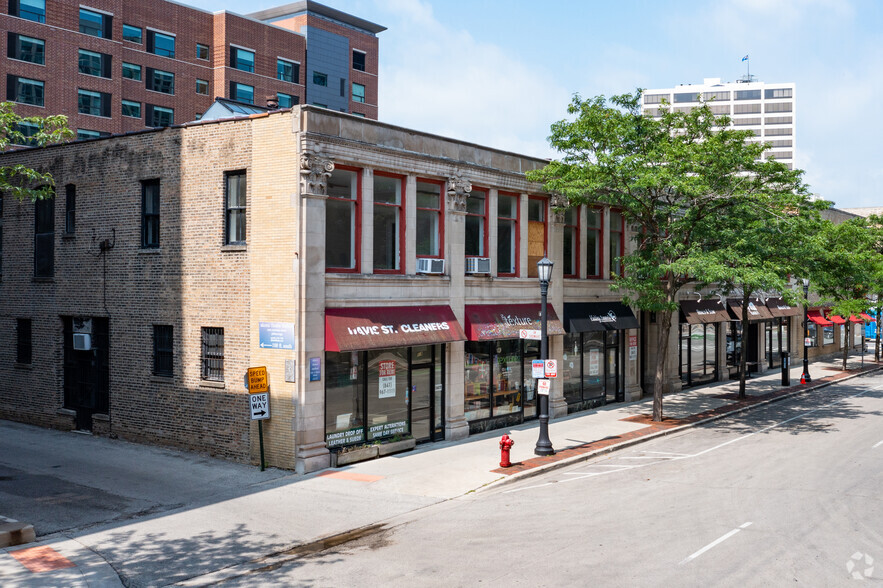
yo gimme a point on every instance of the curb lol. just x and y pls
(541, 469)
(14, 533)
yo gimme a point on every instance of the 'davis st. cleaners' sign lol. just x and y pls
(399, 328)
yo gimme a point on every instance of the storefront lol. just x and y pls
(698, 336)
(593, 362)
(500, 390)
(750, 342)
(819, 330)
(385, 372)
(777, 331)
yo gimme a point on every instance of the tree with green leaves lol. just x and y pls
(675, 179)
(18, 180)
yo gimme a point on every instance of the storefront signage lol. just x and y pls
(551, 368)
(543, 387)
(752, 309)
(260, 406)
(705, 311)
(402, 328)
(258, 381)
(532, 334)
(594, 362)
(315, 369)
(807, 342)
(387, 382)
(537, 368)
(633, 347)
(276, 335)
(610, 317)
(387, 429)
(348, 437)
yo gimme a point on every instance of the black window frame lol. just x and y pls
(320, 79)
(359, 64)
(132, 67)
(104, 29)
(12, 93)
(163, 351)
(44, 237)
(130, 38)
(150, 112)
(14, 48)
(150, 219)
(199, 50)
(70, 209)
(15, 9)
(293, 100)
(234, 92)
(104, 64)
(103, 109)
(212, 354)
(234, 59)
(162, 52)
(159, 83)
(280, 70)
(237, 211)
(24, 342)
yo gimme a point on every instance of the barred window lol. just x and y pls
(163, 350)
(213, 354)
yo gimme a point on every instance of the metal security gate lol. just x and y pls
(86, 371)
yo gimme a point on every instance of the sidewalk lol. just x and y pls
(286, 514)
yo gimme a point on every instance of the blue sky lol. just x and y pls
(498, 73)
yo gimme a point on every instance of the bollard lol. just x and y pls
(786, 368)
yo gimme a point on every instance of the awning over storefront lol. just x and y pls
(756, 310)
(704, 311)
(837, 320)
(780, 308)
(868, 317)
(582, 317)
(486, 322)
(381, 327)
(815, 316)
(855, 319)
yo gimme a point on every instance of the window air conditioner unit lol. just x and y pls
(426, 265)
(478, 265)
(82, 341)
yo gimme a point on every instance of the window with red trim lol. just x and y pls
(476, 223)
(507, 234)
(389, 222)
(570, 268)
(342, 223)
(617, 244)
(536, 234)
(430, 218)
(594, 242)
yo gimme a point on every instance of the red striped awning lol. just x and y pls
(816, 317)
(867, 317)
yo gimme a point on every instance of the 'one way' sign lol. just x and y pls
(260, 406)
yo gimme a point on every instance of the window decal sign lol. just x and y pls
(387, 384)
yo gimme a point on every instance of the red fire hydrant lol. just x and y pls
(505, 445)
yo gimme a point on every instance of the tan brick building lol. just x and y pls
(114, 66)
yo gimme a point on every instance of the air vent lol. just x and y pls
(82, 342)
(426, 265)
(478, 265)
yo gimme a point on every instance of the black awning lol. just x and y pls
(581, 317)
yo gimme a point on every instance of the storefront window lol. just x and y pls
(507, 377)
(531, 351)
(571, 368)
(842, 336)
(593, 376)
(478, 403)
(857, 335)
(387, 393)
(813, 333)
(828, 335)
(344, 383)
(698, 352)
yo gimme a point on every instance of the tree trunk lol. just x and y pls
(743, 357)
(879, 330)
(847, 342)
(663, 324)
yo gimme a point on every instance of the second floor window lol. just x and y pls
(507, 234)
(94, 64)
(95, 23)
(430, 218)
(24, 90)
(160, 44)
(213, 354)
(242, 59)
(235, 215)
(476, 223)
(536, 234)
(44, 238)
(617, 244)
(570, 267)
(594, 241)
(26, 48)
(342, 226)
(150, 214)
(287, 71)
(389, 222)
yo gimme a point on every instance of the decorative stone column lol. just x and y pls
(456, 425)
(310, 451)
(557, 403)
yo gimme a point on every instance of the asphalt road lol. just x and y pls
(785, 495)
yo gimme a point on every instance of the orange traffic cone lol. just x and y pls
(803, 378)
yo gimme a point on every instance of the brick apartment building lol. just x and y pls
(382, 276)
(114, 66)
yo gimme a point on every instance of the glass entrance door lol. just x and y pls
(611, 384)
(421, 403)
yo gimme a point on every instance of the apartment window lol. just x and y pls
(777, 107)
(34, 10)
(320, 79)
(777, 120)
(83, 134)
(160, 81)
(163, 350)
(95, 23)
(286, 100)
(242, 59)
(131, 33)
(242, 92)
(655, 98)
(342, 228)
(747, 95)
(715, 96)
(158, 116)
(23, 346)
(777, 132)
(213, 354)
(202, 87)
(430, 218)
(358, 60)
(26, 48)
(746, 108)
(536, 234)
(570, 268)
(389, 222)
(28, 133)
(150, 214)
(201, 51)
(779, 155)
(131, 71)
(361, 114)
(160, 44)
(720, 109)
(507, 234)
(778, 93)
(235, 207)
(686, 97)
(320, 105)
(94, 64)
(70, 209)
(287, 71)
(654, 112)
(24, 90)
(741, 122)
(93, 103)
(476, 223)
(358, 92)
(594, 240)
(44, 238)
(617, 245)
(781, 143)
(131, 109)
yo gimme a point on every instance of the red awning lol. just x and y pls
(816, 317)
(855, 319)
(487, 322)
(867, 317)
(382, 327)
(837, 320)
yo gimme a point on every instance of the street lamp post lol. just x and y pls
(544, 444)
(805, 377)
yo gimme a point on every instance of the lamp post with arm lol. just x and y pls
(544, 444)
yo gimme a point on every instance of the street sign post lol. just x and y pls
(257, 382)
(260, 406)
